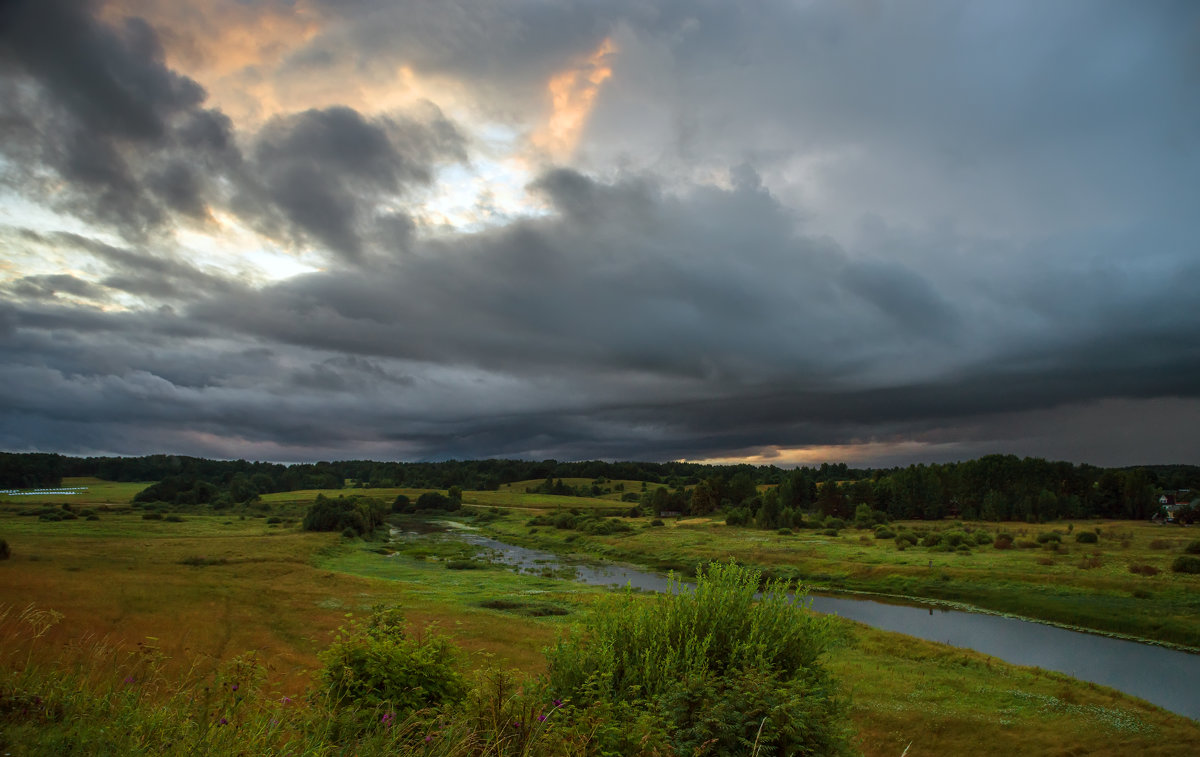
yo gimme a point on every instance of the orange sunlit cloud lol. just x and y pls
(572, 96)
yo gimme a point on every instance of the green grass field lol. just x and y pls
(1079, 585)
(98, 492)
(212, 587)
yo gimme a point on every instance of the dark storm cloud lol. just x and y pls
(969, 226)
(97, 106)
(324, 171)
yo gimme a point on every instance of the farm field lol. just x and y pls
(207, 589)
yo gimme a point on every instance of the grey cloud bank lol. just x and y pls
(922, 233)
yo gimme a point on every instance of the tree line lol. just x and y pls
(993, 487)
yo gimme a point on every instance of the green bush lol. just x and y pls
(1003, 541)
(832, 522)
(1193, 548)
(722, 669)
(932, 539)
(784, 532)
(953, 538)
(883, 533)
(830, 532)
(1089, 537)
(982, 538)
(657, 522)
(373, 665)
(1046, 537)
(1186, 564)
(358, 514)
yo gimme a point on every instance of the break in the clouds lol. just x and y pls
(775, 232)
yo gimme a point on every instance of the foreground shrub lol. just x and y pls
(1186, 564)
(722, 670)
(1087, 537)
(373, 665)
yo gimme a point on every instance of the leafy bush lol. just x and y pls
(401, 504)
(1026, 544)
(830, 532)
(738, 516)
(953, 538)
(784, 532)
(358, 514)
(932, 539)
(1186, 564)
(373, 665)
(832, 522)
(1193, 548)
(657, 522)
(883, 533)
(1087, 537)
(721, 669)
(1046, 537)
(438, 501)
(982, 538)
(1144, 570)
(1003, 541)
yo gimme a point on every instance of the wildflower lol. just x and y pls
(387, 718)
(516, 724)
(428, 739)
(557, 703)
(224, 721)
(130, 680)
(235, 687)
(542, 718)
(285, 700)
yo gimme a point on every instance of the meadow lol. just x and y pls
(1121, 584)
(175, 604)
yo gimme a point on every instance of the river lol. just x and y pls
(1166, 677)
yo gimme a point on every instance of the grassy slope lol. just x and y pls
(282, 592)
(1085, 585)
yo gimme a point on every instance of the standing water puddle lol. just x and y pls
(1165, 677)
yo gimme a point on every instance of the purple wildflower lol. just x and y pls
(286, 700)
(542, 718)
(428, 739)
(130, 680)
(224, 721)
(235, 687)
(557, 703)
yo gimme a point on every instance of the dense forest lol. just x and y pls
(995, 487)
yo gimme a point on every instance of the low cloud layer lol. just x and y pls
(783, 231)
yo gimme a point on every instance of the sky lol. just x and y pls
(774, 232)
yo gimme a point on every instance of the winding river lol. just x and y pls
(1166, 677)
